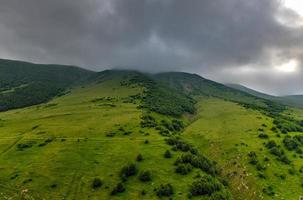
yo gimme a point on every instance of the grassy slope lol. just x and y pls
(87, 152)
(222, 130)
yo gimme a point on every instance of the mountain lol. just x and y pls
(24, 84)
(123, 134)
(293, 101)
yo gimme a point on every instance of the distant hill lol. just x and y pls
(23, 84)
(294, 100)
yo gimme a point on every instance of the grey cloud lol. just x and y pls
(210, 37)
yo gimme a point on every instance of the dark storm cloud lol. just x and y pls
(215, 38)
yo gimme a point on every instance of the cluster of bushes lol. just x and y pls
(293, 143)
(167, 154)
(145, 176)
(198, 161)
(47, 141)
(276, 150)
(287, 124)
(253, 158)
(25, 145)
(211, 187)
(148, 121)
(120, 131)
(183, 168)
(263, 136)
(179, 144)
(269, 191)
(174, 126)
(127, 171)
(119, 188)
(165, 190)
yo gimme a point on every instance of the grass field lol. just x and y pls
(227, 132)
(55, 150)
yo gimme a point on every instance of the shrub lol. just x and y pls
(97, 183)
(27, 144)
(167, 154)
(198, 161)
(119, 188)
(220, 196)
(178, 144)
(263, 136)
(290, 143)
(205, 186)
(145, 176)
(165, 190)
(128, 170)
(183, 168)
(139, 158)
(252, 158)
(270, 144)
(269, 191)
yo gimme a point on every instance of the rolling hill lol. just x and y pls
(122, 134)
(292, 100)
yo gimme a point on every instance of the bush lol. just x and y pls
(183, 168)
(139, 158)
(220, 196)
(165, 190)
(127, 171)
(145, 176)
(178, 144)
(119, 188)
(252, 158)
(198, 161)
(167, 154)
(270, 144)
(97, 183)
(263, 136)
(27, 144)
(207, 185)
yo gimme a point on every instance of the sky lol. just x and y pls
(257, 43)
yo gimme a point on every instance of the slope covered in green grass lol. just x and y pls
(126, 135)
(57, 150)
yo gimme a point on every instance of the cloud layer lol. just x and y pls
(226, 40)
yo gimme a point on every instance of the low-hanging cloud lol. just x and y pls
(215, 38)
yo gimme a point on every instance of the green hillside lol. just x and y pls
(127, 135)
(24, 84)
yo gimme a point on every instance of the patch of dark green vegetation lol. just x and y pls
(277, 151)
(211, 187)
(145, 176)
(165, 190)
(119, 188)
(179, 144)
(47, 141)
(293, 143)
(25, 145)
(175, 102)
(97, 183)
(127, 171)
